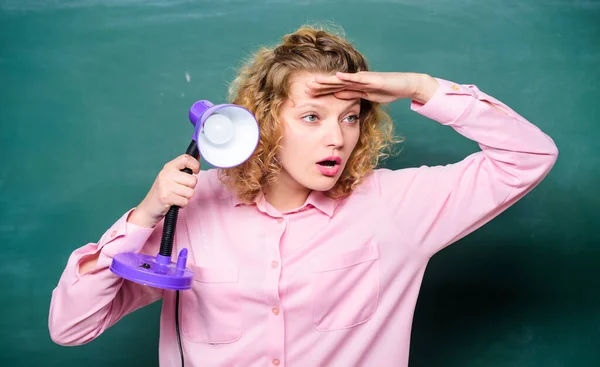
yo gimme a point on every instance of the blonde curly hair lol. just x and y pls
(262, 87)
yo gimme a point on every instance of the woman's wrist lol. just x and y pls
(139, 218)
(425, 87)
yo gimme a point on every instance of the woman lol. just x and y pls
(306, 254)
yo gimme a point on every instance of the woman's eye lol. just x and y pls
(352, 119)
(310, 118)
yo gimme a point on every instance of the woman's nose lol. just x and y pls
(335, 137)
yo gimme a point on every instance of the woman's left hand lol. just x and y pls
(377, 87)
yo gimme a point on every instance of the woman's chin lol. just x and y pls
(322, 183)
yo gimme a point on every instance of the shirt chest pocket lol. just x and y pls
(345, 290)
(210, 311)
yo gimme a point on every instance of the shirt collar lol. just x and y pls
(316, 199)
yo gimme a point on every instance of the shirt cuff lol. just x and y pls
(124, 236)
(121, 237)
(447, 104)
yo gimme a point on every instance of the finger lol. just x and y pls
(318, 86)
(327, 79)
(351, 94)
(352, 77)
(186, 161)
(178, 163)
(185, 179)
(183, 191)
(344, 85)
(322, 91)
(195, 165)
(176, 200)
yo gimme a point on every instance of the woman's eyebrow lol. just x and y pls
(311, 104)
(321, 105)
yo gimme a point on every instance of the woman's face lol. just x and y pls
(319, 135)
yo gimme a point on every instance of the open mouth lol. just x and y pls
(329, 166)
(328, 163)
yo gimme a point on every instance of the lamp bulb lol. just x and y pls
(218, 129)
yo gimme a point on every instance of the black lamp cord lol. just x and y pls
(177, 326)
(166, 243)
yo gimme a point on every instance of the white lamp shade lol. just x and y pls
(241, 144)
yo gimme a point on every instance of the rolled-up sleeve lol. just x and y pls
(437, 205)
(84, 305)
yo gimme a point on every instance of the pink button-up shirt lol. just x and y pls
(331, 283)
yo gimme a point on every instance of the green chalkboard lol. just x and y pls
(94, 98)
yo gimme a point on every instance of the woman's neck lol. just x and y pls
(285, 196)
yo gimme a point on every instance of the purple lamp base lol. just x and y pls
(155, 271)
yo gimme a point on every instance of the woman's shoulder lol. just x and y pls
(382, 179)
(209, 186)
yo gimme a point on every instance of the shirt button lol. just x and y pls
(455, 87)
(279, 220)
(275, 310)
(113, 233)
(274, 264)
(275, 362)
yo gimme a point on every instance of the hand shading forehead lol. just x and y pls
(299, 98)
